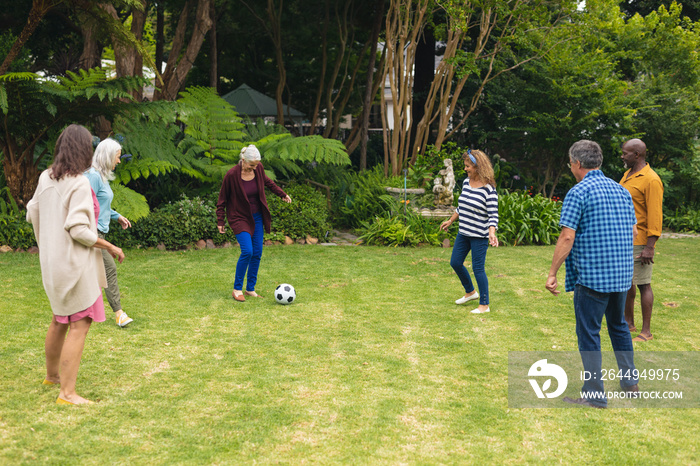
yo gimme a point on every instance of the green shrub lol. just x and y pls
(388, 231)
(527, 220)
(685, 220)
(182, 223)
(358, 198)
(306, 215)
(398, 228)
(176, 225)
(15, 231)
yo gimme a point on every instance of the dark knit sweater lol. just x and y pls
(233, 205)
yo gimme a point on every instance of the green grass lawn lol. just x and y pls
(373, 364)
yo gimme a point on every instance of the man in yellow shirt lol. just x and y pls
(647, 192)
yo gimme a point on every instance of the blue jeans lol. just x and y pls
(251, 252)
(478, 247)
(590, 306)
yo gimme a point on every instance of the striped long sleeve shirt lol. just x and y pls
(478, 210)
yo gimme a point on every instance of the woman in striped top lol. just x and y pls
(478, 219)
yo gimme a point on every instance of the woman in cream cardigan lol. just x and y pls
(63, 212)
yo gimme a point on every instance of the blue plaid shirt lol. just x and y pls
(602, 214)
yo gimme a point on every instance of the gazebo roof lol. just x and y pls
(252, 103)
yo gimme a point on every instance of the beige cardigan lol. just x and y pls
(63, 217)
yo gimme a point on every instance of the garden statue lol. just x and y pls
(444, 185)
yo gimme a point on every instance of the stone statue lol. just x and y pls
(444, 185)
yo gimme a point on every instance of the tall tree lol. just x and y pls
(478, 33)
(39, 9)
(271, 21)
(213, 51)
(404, 24)
(370, 90)
(33, 112)
(183, 56)
(691, 8)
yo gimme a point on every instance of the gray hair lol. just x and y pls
(588, 153)
(104, 158)
(250, 154)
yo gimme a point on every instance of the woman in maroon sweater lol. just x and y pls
(243, 204)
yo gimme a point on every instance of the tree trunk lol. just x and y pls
(331, 97)
(123, 56)
(39, 9)
(92, 50)
(496, 27)
(177, 67)
(425, 72)
(369, 88)
(137, 24)
(275, 32)
(273, 28)
(324, 65)
(404, 24)
(356, 135)
(160, 35)
(213, 51)
(348, 90)
(21, 172)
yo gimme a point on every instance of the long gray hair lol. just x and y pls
(105, 157)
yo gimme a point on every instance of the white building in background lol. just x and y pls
(110, 67)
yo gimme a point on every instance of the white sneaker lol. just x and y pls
(123, 320)
(479, 311)
(465, 299)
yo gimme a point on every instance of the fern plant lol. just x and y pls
(283, 153)
(212, 123)
(34, 111)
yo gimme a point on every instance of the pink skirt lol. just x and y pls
(96, 312)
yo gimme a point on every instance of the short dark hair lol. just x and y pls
(73, 152)
(588, 153)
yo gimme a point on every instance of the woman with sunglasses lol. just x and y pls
(477, 212)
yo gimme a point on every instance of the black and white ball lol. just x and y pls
(285, 294)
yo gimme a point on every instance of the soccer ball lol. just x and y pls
(285, 294)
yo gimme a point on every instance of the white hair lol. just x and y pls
(105, 157)
(250, 154)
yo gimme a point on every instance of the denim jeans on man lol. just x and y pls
(590, 306)
(251, 252)
(478, 247)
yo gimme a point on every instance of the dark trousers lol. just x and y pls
(590, 306)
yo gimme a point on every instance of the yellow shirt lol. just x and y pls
(647, 192)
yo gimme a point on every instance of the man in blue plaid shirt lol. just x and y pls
(598, 226)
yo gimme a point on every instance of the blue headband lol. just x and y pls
(471, 157)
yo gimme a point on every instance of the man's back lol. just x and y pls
(602, 214)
